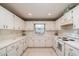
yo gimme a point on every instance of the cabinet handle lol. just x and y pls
(6, 26)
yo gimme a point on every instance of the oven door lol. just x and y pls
(60, 48)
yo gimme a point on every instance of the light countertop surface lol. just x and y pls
(74, 44)
(4, 43)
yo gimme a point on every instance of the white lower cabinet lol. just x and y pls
(3, 52)
(55, 42)
(71, 51)
(31, 43)
(11, 50)
(15, 49)
(39, 43)
(21, 46)
(25, 44)
(36, 43)
(49, 43)
(18, 49)
(42, 43)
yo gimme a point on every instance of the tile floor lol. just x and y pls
(39, 52)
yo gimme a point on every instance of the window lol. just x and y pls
(40, 28)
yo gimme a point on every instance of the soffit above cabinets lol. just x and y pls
(37, 11)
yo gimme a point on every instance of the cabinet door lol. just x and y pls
(16, 22)
(49, 43)
(36, 43)
(2, 18)
(67, 50)
(12, 53)
(10, 21)
(58, 24)
(19, 48)
(55, 42)
(76, 17)
(25, 43)
(6, 19)
(19, 23)
(3, 52)
(11, 50)
(31, 43)
(71, 51)
(42, 43)
(70, 16)
(67, 18)
(22, 24)
(74, 51)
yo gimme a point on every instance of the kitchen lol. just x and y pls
(39, 29)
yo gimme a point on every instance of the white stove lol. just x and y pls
(61, 46)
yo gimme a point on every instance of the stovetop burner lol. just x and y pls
(66, 39)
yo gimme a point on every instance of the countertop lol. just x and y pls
(4, 43)
(74, 44)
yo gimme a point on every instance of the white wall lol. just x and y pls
(35, 36)
(49, 25)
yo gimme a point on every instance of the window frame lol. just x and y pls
(39, 24)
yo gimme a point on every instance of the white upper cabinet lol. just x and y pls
(76, 17)
(6, 19)
(58, 24)
(10, 21)
(18, 23)
(67, 18)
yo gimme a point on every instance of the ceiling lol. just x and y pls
(37, 11)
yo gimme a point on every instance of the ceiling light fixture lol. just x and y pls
(29, 14)
(49, 14)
